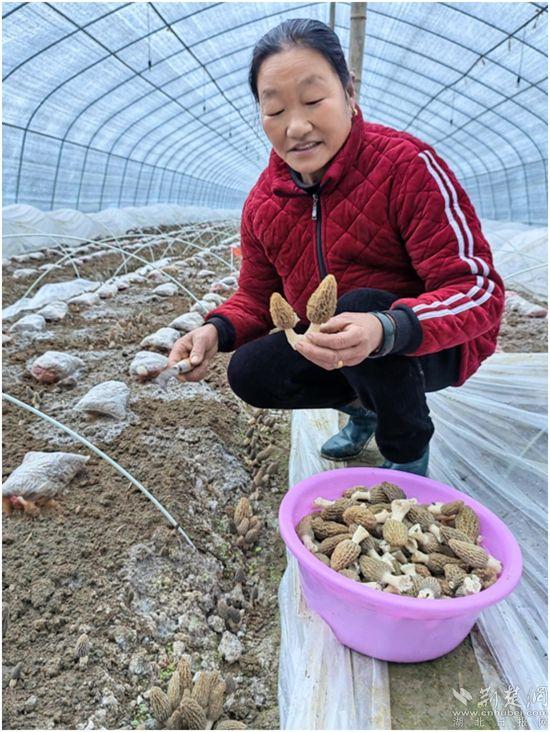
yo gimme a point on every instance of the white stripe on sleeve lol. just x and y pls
(473, 262)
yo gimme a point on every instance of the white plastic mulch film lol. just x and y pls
(22, 224)
(490, 442)
(322, 684)
(520, 254)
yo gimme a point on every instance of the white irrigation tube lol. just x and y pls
(94, 242)
(112, 236)
(160, 237)
(194, 233)
(129, 254)
(74, 252)
(149, 264)
(48, 236)
(216, 232)
(58, 261)
(186, 237)
(212, 254)
(150, 245)
(58, 239)
(104, 456)
(213, 230)
(147, 244)
(202, 249)
(170, 245)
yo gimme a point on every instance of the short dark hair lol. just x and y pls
(304, 32)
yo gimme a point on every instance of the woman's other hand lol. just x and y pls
(199, 346)
(347, 337)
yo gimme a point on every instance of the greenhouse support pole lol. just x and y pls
(358, 17)
(332, 15)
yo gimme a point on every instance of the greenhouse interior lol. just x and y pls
(164, 566)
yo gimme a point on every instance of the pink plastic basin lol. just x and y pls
(379, 624)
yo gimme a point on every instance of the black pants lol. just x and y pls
(268, 373)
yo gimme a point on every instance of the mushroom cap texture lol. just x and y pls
(282, 314)
(322, 303)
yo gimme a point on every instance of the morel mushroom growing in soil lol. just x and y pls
(82, 650)
(248, 526)
(321, 306)
(191, 706)
(395, 544)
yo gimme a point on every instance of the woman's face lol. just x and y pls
(301, 101)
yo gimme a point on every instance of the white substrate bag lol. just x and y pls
(162, 339)
(50, 293)
(217, 287)
(158, 276)
(87, 299)
(49, 266)
(109, 398)
(19, 274)
(32, 256)
(490, 442)
(147, 365)
(29, 324)
(54, 366)
(107, 291)
(54, 312)
(169, 289)
(520, 254)
(203, 307)
(43, 474)
(187, 321)
(518, 304)
(213, 297)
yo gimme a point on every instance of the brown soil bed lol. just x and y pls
(520, 334)
(108, 563)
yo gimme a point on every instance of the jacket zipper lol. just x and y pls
(316, 216)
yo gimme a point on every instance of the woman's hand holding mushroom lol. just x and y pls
(346, 339)
(199, 346)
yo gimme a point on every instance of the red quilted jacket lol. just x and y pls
(390, 215)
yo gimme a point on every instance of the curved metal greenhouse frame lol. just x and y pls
(151, 103)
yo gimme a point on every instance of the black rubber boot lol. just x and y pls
(419, 466)
(352, 438)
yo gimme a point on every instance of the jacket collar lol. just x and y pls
(284, 181)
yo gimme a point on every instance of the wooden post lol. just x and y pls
(332, 16)
(358, 17)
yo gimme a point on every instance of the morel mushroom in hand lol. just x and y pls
(320, 307)
(283, 317)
